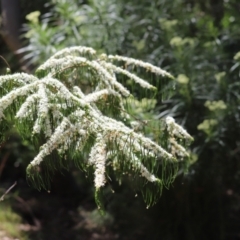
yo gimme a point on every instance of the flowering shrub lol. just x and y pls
(78, 107)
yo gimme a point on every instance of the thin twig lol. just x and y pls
(2, 197)
(5, 61)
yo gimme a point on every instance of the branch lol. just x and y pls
(9, 189)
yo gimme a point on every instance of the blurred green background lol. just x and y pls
(198, 42)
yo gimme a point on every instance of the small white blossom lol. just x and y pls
(37, 126)
(97, 158)
(22, 112)
(102, 94)
(58, 137)
(69, 51)
(148, 66)
(138, 80)
(176, 130)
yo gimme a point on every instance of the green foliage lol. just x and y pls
(197, 41)
(78, 108)
(10, 224)
(73, 23)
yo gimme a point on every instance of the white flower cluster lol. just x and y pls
(67, 116)
(137, 79)
(58, 65)
(176, 131)
(149, 67)
(80, 50)
(98, 157)
(94, 97)
(30, 100)
(61, 139)
(8, 99)
(60, 136)
(17, 78)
